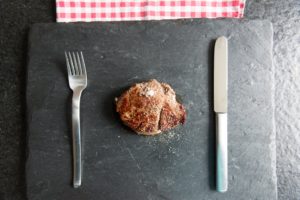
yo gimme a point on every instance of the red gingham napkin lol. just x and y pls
(126, 10)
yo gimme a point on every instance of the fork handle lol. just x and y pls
(76, 137)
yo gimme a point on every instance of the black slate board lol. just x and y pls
(176, 165)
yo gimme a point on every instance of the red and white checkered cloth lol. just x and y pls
(127, 10)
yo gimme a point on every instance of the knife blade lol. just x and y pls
(220, 108)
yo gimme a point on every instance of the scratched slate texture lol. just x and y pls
(176, 165)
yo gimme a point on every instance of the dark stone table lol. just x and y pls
(15, 18)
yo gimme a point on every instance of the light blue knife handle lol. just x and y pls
(222, 160)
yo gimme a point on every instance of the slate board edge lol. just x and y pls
(273, 138)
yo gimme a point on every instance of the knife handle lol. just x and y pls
(222, 170)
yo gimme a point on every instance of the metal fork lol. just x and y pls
(78, 81)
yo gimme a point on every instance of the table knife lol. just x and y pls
(220, 108)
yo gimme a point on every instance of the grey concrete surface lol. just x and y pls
(285, 16)
(17, 15)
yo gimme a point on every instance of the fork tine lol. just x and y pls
(75, 63)
(68, 64)
(83, 64)
(72, 65)
(79, 64)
